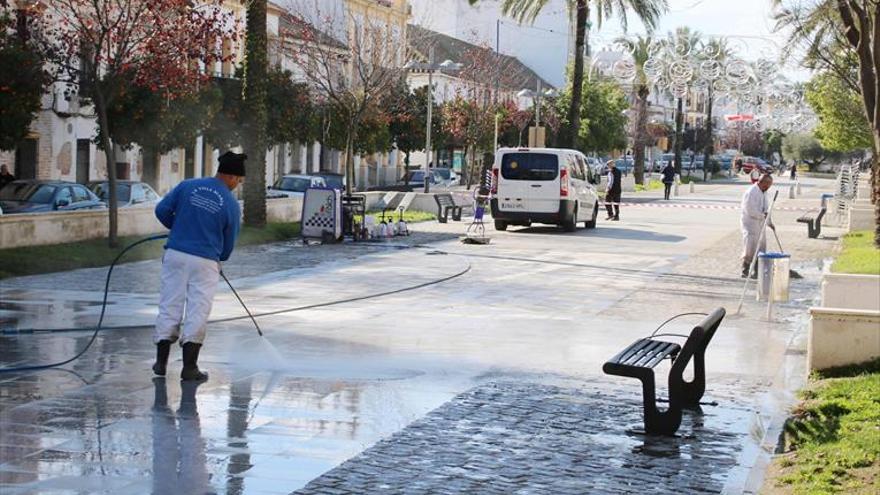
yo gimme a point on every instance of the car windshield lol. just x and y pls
(295, 184)
(529, 166)
(443, 173)
(24, 191)
(102, 191)
(333, 181)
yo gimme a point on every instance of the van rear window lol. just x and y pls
(529, 166)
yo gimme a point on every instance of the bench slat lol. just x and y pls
(645, 353)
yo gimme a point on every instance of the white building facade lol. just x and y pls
(544, 46)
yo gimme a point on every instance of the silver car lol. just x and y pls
(294, 186)
(128, 193)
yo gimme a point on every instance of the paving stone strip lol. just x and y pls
(538, 438)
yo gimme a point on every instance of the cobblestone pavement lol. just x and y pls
(524, 438)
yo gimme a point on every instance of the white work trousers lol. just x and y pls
(752, 242)
(185, 297)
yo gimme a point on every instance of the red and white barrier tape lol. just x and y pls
(700, 206)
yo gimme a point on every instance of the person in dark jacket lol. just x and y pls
(668, 178)
(612, 192)
(204, 220)
(5, 176)
(794, 171)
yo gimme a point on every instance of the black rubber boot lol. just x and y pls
(190, 370)
(162, 350)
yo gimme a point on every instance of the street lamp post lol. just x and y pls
(430, 67)
(428, 148)
(536, 96)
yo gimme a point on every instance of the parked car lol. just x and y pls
(750, 162)
(625, 165)
(416, 179)
(32, 196)
(336, 181)
(543, 185)
(128, 193)
(724, 161)
(447, 176)
(665, 159)
(294, 186)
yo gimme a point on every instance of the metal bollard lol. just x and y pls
(691, 188)
(798, 188)
(675, 189)
(791, 194)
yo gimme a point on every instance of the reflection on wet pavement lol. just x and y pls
(106, 426)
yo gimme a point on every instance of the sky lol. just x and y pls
(747, 22)
(544, 45)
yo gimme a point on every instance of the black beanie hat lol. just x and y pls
(231, 163)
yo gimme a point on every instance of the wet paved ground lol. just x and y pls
(453, 387)
(522, 437)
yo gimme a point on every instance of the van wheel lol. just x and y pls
(591, 224)
(571, 224)
(500, 225)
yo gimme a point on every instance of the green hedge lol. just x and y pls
(859, 255)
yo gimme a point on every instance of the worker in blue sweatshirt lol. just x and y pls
(204, 219)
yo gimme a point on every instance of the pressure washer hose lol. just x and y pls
(253, 317)
(100, 319)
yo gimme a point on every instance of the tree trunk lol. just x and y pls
(875, 190)
(255, 115)
(577, 78)
(101, 108)
(151, 166)
(640, 140)
(710, 142)
(349, 162)
(679, 124)
(466, 166)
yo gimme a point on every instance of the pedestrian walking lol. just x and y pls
(204, 219)
(668, 178)
(612, 192)
(754, 212)
(5, 176)
(794, 171)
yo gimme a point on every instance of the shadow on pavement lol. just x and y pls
(606, 233)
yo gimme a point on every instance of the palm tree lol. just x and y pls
(718, 47)
(638, 48)
(682, 36)
(648, 11)
(256, 114)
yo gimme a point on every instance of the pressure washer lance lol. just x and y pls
(243, 305)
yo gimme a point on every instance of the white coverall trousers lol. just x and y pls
(188, 284)
(752, 241)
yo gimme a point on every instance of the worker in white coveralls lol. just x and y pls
(754, 211)
(204, 220)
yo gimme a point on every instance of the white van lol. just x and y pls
(543, 185)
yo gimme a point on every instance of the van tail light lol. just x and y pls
(563, 183)
(494, 181)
